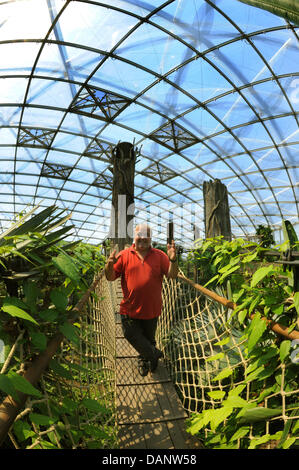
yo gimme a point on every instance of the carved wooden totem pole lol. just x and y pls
(216, 210)
(123, 159)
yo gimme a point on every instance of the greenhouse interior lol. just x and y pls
(180, 116)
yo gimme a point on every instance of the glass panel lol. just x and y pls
(280, 50)
(149, 45)
(120, 77)
(282, 129)
(200, 122)
(12, 90)
(198, 23)
(77, 63)
(7, 167)
(135, 115)
(19, 22)
(232, 110)
(253, 135)
(267, 99)
(39, 117)
(30, 168)
(83, 125)
(69, 142)
(166, 99)
(7, 136)
(50, 93)
(247, 17)
(17, 58)
(94, 26)
(201, 79)
(114, 133)
(55, 156)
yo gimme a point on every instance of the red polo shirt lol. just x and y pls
(141, 282)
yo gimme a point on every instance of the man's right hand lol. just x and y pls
(112, 258)
(109, 271)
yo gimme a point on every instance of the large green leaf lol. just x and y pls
(260, 274)
(93, 405)
(252, 415)
(223, 374)
(241, 432)
(66, 265)
(24, 226)
(287, 9)
(22, 430)
(257, 328)
(59, 299)
(16, 228)
(41, 420)
(296, 301)
(60, 370)
(10, 306)
(39, 340)
(219, 415)
(21, 384)
(7, 387)
(284, 349)
(70, 332)
(217, 394)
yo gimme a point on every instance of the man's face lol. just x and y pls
(142, 239)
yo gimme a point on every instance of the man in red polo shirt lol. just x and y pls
(142, 268)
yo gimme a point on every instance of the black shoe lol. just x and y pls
(154, 362)
(143, 366)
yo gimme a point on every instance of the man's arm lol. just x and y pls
(109, 271)
(173, 265)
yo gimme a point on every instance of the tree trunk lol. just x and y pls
(122, 214)
(216, 210)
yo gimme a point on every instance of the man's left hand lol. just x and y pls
(171, 251)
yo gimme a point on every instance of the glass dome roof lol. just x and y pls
(204, 89)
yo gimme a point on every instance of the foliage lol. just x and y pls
(265, 233)
(43, 277)
(253, 411)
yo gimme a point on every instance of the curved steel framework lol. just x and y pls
(204, 89)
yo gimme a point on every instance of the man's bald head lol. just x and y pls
(142, 238)
(143, 231)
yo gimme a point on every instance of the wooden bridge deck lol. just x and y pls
(149, 412)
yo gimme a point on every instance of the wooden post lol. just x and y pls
(216, 210)
(170, 235)
(122, 215)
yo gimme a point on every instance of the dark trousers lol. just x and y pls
(141, 335)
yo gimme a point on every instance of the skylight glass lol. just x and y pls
(204, 89)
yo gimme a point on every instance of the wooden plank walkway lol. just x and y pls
(149, 412)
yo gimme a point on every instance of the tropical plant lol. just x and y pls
(43, 276)
(265, 234)
(261, 409)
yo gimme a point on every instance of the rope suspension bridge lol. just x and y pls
(118, 407)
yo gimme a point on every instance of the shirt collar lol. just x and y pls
(133, 249)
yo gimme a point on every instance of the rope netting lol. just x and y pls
(204, 353)
(207, 360)
(77, 407)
